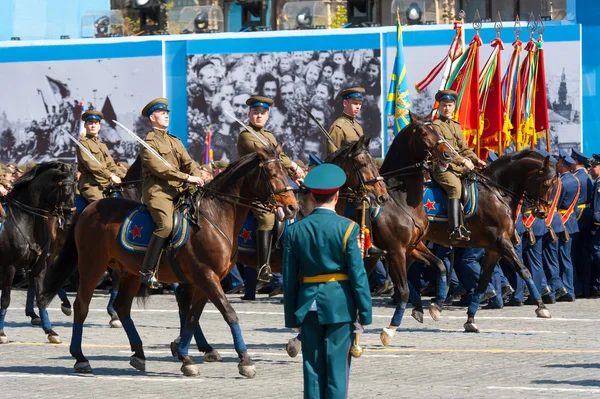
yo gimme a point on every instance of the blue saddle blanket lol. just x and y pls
(138, 226)
(247, 235)
(80, 203)
(435, 202)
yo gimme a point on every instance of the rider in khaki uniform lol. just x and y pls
(258, 115)
(345, 129)
(466, 159)
(95, 177)
(162, 184)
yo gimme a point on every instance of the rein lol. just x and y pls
(527, 197)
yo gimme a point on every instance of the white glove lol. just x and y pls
(359, 328)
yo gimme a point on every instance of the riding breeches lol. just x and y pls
(266, 220)
(161, 209)
(91, 193)
(449, 182)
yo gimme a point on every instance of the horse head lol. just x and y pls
(539, 184)
(427, 141)
(272, 185)
(362, 174)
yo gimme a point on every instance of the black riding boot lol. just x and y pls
(456, 234)
(151, 259)
(373, 251)
(263, 250)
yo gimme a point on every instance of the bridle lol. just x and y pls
(360, 194)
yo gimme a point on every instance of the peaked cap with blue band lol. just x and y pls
(545, 154)
(155, 105)
(580, 157)
(446, 95)
(259, 102)
(325, 179)
(93, 114)
(352, 93)
(595, 159)
(566, 158)
(492, 156)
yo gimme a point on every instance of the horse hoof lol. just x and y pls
(417, 315)
(212, 356)
(36, 321)
(190, 370)
(83, 368)
(3, 339)
(435, 312)
(471, 328)
(293, 347)
(543, 313)
(115, 324)
(54, 339)
(137, 363)
(174, 349)
(66, 310)
(386, 336)
(248, 371)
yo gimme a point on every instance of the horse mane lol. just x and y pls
(235, 169)
(31, 174)
(501, 163)
(135, 170)
(399, 150)
(346, 150)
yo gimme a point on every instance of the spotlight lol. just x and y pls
(102, 25)
(414, 14)
(303, 15)
(201, 22)
(196, 19)
(304, 18)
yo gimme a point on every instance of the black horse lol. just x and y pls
(44, 193)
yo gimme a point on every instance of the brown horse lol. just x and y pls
(221, 208)
(502, 186)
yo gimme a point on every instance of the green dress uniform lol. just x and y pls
(326, 289)
(94, 177)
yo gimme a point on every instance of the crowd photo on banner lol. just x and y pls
(310, 79)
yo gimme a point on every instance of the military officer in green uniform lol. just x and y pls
(448, 176)
(326, 286)
(346, 129)
(95, 177)
(258, 115)
(162, 184)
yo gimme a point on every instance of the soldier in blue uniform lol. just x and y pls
(595, 174)
(567, 203)
(581, 241)
(326, 286)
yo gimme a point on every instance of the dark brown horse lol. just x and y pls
(204, 260)
(502, 186)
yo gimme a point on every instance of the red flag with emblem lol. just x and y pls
(541, 96)
(492, 103)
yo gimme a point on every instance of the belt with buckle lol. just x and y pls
(326, 278)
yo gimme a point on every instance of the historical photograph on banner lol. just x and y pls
(563, 83)
(312, 79)
(41, 99)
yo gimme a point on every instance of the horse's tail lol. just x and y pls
(61, 268)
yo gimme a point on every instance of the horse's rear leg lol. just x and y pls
(217, 296)
(29, 311)
(423, 254)
(128, 288)
(183, 294)
(114, 291)
(509, 253)
(490, 259)
(8, 274)
(90, 271)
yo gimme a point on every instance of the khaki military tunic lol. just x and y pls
(94, 177)
(162, 185)
(245, 146)
(344, 130)
(450, 130)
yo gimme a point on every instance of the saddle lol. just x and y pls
(435, 200)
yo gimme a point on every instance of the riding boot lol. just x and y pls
(373, 251)
(456, 234)
(263, 250)
(463, 229)
(151, 259)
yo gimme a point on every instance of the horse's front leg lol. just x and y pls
(8, 275)
(38, 280)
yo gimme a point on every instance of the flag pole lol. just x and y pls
(498, 26)
(477, 26)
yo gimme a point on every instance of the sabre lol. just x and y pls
(146, 145)
(248, 128)
(320, 126)
(81, 147)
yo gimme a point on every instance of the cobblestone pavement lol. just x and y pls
(516, 354)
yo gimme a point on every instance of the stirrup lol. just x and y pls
(264, 273)
(465, 232)
(150, 280)
(456, 236)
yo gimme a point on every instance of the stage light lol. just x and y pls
(196, 19)
(414, 14)
(303, 15)
(102, 25)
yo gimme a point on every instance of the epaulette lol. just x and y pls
(150, 135)
(340, 121)
(172, 135)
